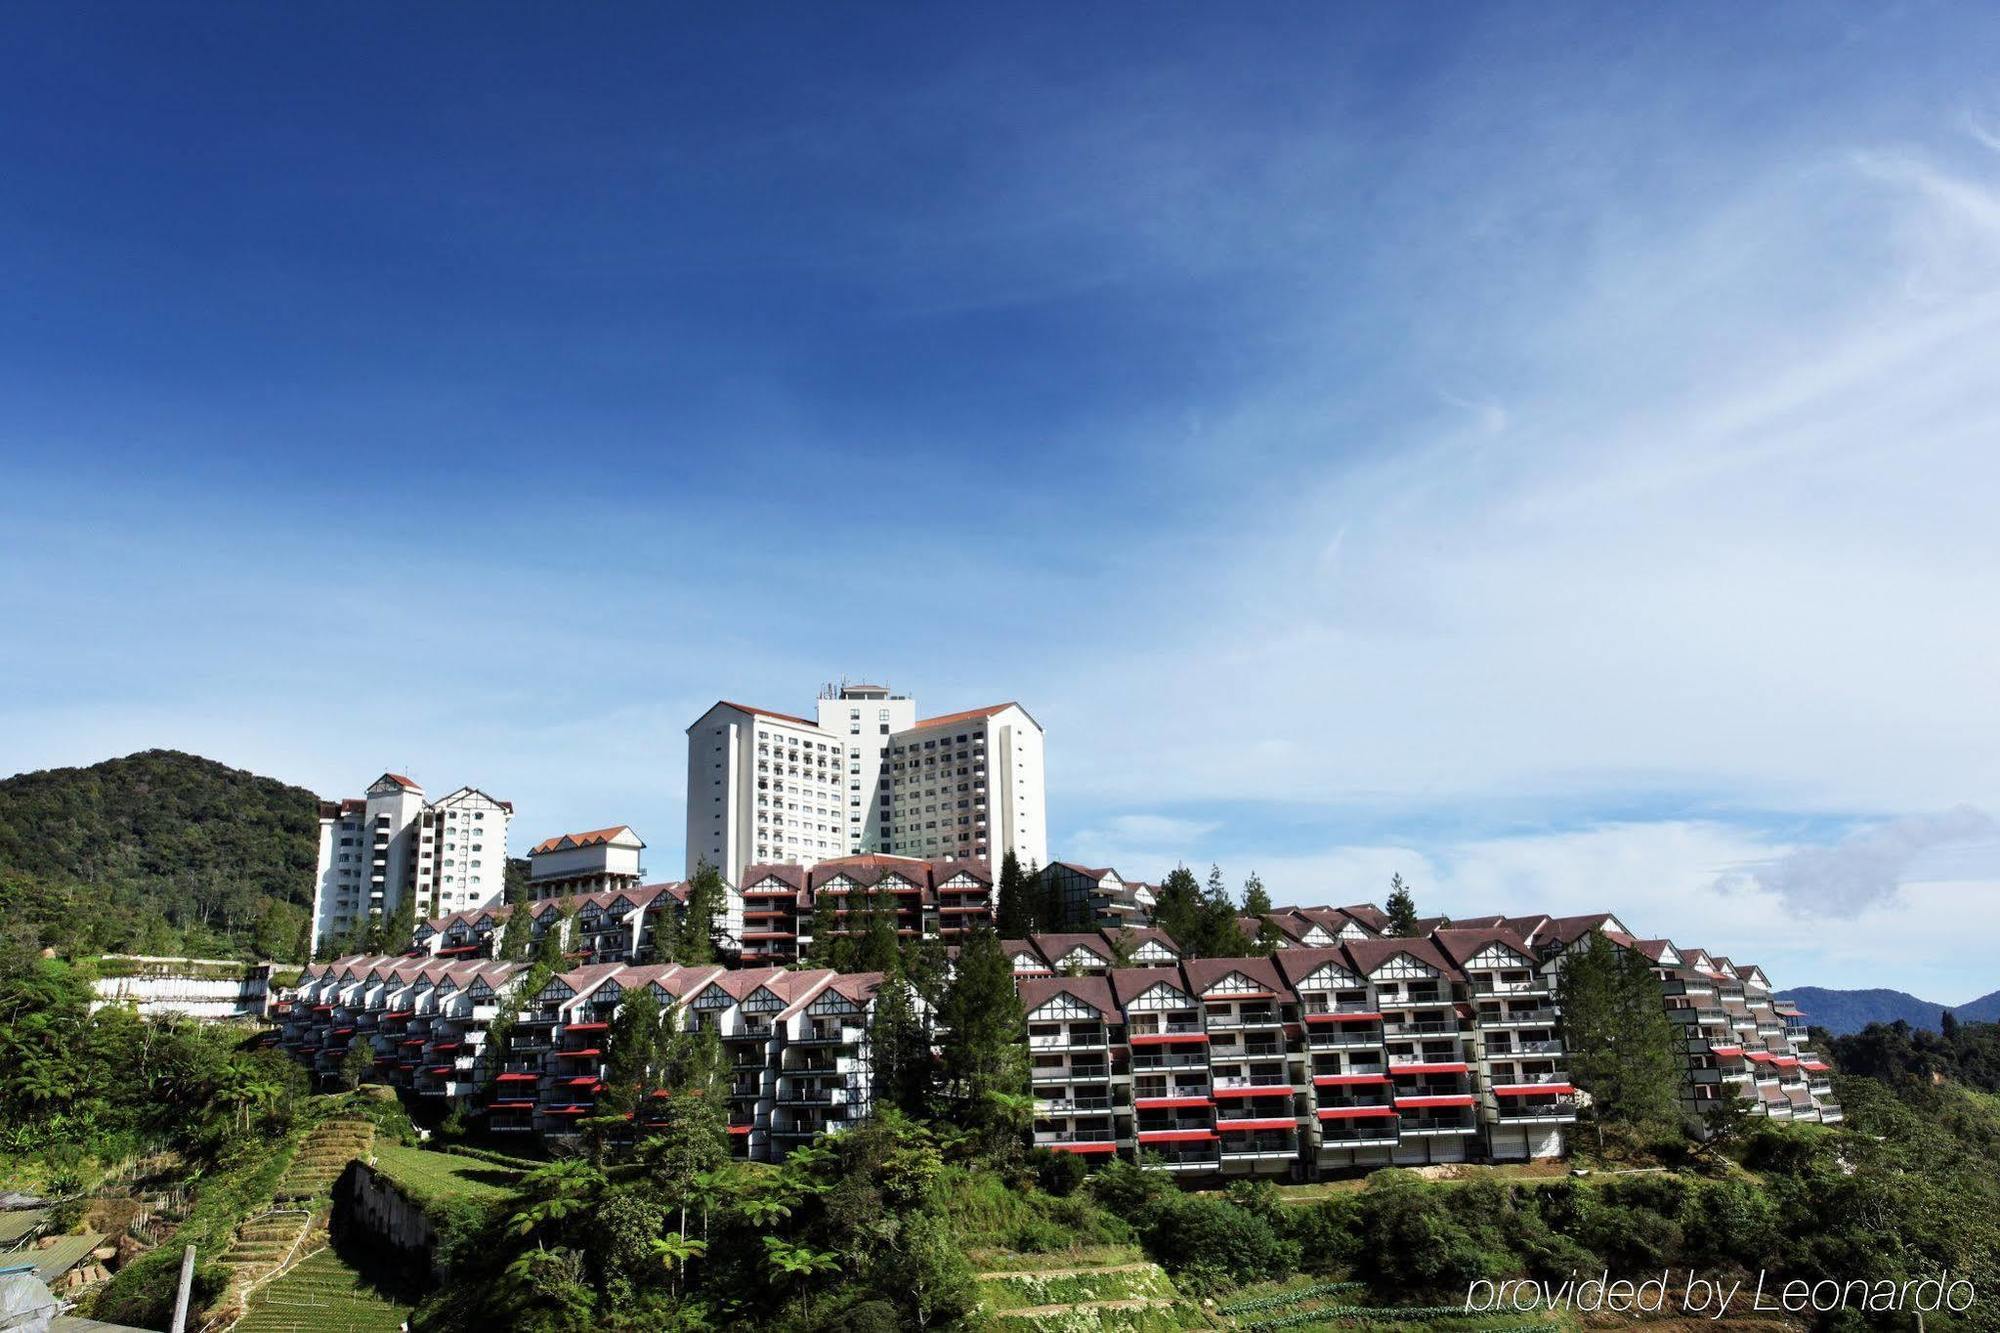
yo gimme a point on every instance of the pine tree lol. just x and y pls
(632, 1063)
(982, 1063)
(1016, 916)
(1177, 909)
(1216, 933)
(1402, 909)
(1256, 901)
(517, 936)
(877, 948)
(1619, 1041)
(900, 1048)
(357, 1064)
(694, 933)
(402, 924)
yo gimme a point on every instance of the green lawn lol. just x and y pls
(437, 1175)
(323, 1295)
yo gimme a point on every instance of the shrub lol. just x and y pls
(1210, 1237)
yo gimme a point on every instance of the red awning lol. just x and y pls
(1079, 1147)
(1441, 1067)
(1176, 1135)
(1162, 1103)
(1355, 1112)
(1447, 1100)
(1815, 1065)
(1531, 1089)
(1162, 1038)
(1344, 1018)
(587, 1027)
(578, 1055)
(510, 1106)
(739, 1129)
(518, 1078)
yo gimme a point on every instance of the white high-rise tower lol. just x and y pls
(866, 775)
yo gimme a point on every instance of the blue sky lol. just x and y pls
(1545, 451)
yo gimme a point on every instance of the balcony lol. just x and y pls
(1169, 1059)
(1518, 1049)
(1411, 1126)
(1070, 1041)
(1519, 986)
(1067, 1106)
(1415, 999)
(1249, 1019)
(1340, 1040)
(1558, 1110)
(1429, 1027)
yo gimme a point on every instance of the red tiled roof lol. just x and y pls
(588, 838)
(946, 719)
(1093, 991)
(766, 712)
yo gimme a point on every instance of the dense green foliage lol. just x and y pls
(77, 1085)
(1622, 1049)
(1900, 1055)
(1201, 919)
(157, 853)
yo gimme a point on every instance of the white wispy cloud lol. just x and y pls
(1864, 869)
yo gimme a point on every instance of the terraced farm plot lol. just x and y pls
(437, 1175)
(323, 1295)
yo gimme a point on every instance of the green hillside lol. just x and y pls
(160, 853)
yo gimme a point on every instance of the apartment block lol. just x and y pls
(795, 1041)
(1345, 1050)
(784, 905)
(611, 926)
(864, 776)
(374, 850)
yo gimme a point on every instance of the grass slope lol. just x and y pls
(323, 1294)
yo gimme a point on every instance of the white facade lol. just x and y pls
(867, 776)
(591, 862)
(373, 851)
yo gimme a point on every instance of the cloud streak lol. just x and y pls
(1863, 870)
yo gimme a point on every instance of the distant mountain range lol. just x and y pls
(1844, 1011)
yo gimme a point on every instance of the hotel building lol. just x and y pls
(865, 776)
(373, 850)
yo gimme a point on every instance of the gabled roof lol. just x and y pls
(1463, 945)
(1056, 947)
(1088, 872)
(1093, 991)
(1299, 964)
(947, 719)
(1204, 973)
(407, 784)
(1367, 914)
(759, 712)
(871, 869)
(1133, 937)
(1369, 955)
(1129, 983)
(588, 838)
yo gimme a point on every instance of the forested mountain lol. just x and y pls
(159, 852)
(1842, 1012)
